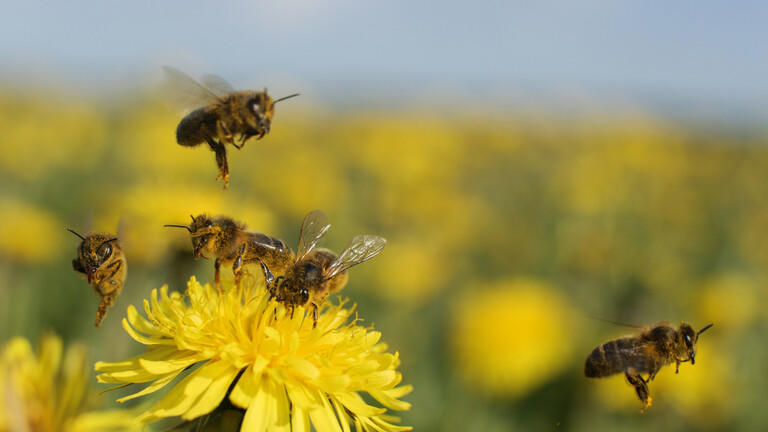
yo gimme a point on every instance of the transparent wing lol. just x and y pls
(266, 241)
(261, 240)
(618, 323)
(217, 85)
(312, 230)
(185, 92)
(360, 249)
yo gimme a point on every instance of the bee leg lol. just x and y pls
(106, 301)
(233, 141)
(269, 278)
(246, 136)
(217, 272)
(221, 160)
(640, 385)
(238, 278)
(292, 308)
(677, 366)
(243, 138)
(653, 373)
(314, 315)
(228, 136)
(237, 266)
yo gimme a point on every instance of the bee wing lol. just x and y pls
(217, 85)
(185, 91)
(313, 228)
(360, 249)
(266, 241)
(618, 323)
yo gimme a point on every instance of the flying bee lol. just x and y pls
(316, 273)
(225, 117)
(646, 352)
(225, 239)
(101, 259)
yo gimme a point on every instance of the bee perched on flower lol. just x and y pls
(282, 372)
(47, 392)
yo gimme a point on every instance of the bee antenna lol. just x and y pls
(73, 232)
(178, 226)
(107, 241)
(706, 327)
(286, 97)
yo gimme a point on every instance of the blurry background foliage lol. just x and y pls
(506, 233)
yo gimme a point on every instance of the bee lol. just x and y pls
(226, 117)
(101, 259)
(225, 239)
(316, 273)
(646, 352)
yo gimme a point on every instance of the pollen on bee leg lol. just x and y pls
(101, 313)
(647, 404)
(224, 176)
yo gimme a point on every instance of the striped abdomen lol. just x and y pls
(197, 127)
(274, 252)
(617, 356)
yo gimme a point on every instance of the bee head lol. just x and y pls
(202, 230)
(292, 289)
(262, 107)
(294, 294)
(94, 251)
(688, 338)
(302, 296)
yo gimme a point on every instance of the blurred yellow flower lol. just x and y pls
(24, 228)
(626, 167)
(731, 300)
(512, 336)
(146, 142)
(46, 394)
(424, 149)
(42, 132)
(412, 270)
(286, 374)
(295, 172)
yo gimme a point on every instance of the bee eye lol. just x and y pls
(256, 107)
(105, 250)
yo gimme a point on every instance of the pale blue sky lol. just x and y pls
(685, 50)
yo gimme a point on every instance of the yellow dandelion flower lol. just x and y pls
(283, 372)
(512, 336)
(24, 227)
(47, 393)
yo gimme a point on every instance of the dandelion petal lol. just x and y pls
(213, 394)
(259, 416)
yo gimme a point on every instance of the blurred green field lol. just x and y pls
(507, 233)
